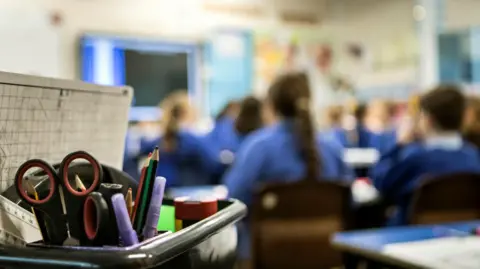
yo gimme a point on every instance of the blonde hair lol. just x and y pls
(378, 114)
(413, 105)
(174, 107)
(334, 115)
(473, 105)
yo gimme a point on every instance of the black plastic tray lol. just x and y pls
(210, 243)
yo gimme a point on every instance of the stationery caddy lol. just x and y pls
(210, 243)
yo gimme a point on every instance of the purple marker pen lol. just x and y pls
(125, 230)
(151, 223)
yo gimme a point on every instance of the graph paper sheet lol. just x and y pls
(439, 253)
(48, 118)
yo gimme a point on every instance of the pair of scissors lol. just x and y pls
(67, 224)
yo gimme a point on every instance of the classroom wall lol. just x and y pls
(180, 20)
(462, 13)
(380, 24)
(385, 28)
(375, 23)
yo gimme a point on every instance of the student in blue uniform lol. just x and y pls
(379, 117)
(185, 158)
(355, 135)
(289, 150)
(385, 141)
(223, 134)
(441, 150)
(248, 120)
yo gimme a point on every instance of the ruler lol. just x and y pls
(17, 225)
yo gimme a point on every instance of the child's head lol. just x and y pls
(334, 116)
(378, 115)
(230, 110)
(177, 111)
(178, 106)
(250, 116)
(289, 94)
(360, 113)
(442, 110)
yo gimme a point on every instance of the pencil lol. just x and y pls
(140, 218)
(79, 183)
(151, 184)
(31, 190)
(140, 186)
(128, 201)
(38, 214)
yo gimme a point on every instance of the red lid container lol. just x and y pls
(194, 209)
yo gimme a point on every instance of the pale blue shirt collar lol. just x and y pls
(451, 141)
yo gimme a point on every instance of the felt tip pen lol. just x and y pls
(153, 215)
(125, 230)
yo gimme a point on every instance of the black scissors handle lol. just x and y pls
(51, 177)
(50, 205)
(97, 172)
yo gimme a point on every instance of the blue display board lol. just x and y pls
(228, 59)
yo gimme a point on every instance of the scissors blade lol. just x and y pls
(70, 241)
(62, 200)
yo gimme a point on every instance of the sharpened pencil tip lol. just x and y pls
(155, 154)
(30, 188)
(79, 183)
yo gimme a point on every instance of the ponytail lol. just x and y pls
(174, 108)
(171, 128)
(290, 95)
(306, 139)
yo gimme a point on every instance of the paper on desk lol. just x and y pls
(17, 225)
(441, 253)
(360, 156)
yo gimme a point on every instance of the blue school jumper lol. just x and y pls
(401, 170)
(271, 154)
(364, 137)
(384, 141)
(223, 135)
(192, 162)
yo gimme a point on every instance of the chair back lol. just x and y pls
(292, 224)
(448, 198)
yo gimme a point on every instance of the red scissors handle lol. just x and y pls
(97, 172)
(52, 178)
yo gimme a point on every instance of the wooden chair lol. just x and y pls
(449, 198)
(292, 224)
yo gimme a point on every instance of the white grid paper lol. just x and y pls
(48, 118)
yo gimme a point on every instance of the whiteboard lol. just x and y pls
(29, 44)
